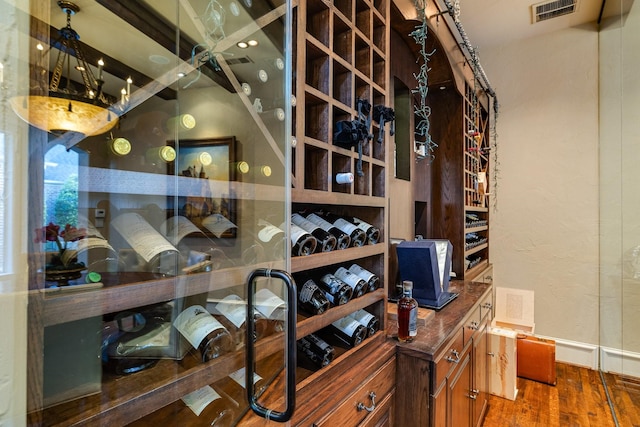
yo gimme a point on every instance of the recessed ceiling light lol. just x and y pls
(159, 59)
(253, 42)
(243, 45)
(181, 74)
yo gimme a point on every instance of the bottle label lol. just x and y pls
(303, 223)
(141, 236)
(269, 232)
(195, 323)
(332, 282)
(239, 377)
(307, 291)
(267, 303)
(348, 277)
(177, 228)
(363, 317)
(199, 399)
(325, 225)
(413, 322)
(362, 224)
(217, 224)
(362, 273)
(345, 226)
(347, 325)
(233, 308)
(296, 233)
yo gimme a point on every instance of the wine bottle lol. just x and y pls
(204, 332)
(358, 285)
(311, 298)
(407, 314)
(357, 235)
(316, 349)
(302, 242)
(372, 232)
(372, 280)
(342, 239)
(272, 307)
(327, 241)
(232, 312)
(336, 291)
(209, 406)
(160, 255)
(206, 406)
(348, 330)
(367, 320)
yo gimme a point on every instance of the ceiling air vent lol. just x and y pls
(552, 9)
(242, 60)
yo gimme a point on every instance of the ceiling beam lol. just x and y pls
(92, 55)
(162, 32)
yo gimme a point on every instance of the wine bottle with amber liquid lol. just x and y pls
(407, 314)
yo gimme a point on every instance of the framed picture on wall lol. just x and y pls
(208, 203)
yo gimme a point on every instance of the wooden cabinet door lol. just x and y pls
(459, 402)
(383, 415)
(480, 374)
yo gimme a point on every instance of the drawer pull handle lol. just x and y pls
(474, 325)
(361, 406)
(455, 358)
(492, 354)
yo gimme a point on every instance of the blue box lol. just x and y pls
(427, 263)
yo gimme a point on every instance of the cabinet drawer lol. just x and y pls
(486, 306)
(472, 324)
(448, 360)
(347, 414)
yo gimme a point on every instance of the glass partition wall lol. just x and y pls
(158, 142)
(619, 201)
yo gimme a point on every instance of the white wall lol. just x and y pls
(544, 234)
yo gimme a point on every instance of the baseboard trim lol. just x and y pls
(575, 353)
(620, 361)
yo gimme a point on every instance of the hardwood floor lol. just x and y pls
(578, 399)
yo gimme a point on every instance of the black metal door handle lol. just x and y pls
(290, 350)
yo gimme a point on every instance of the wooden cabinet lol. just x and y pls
(442, 376)
(364, 404)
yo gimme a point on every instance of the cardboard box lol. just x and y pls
(514, 310)
(503, 360)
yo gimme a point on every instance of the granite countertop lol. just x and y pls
(439, 327)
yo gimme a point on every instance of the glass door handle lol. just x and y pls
(290, 350)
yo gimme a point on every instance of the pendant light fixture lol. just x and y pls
(88, 110)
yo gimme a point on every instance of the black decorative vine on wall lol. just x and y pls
(425, 147)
